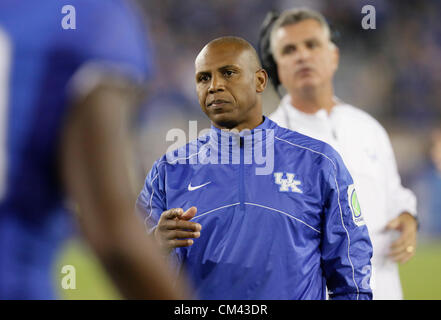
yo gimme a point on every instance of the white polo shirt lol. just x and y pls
(367, 152)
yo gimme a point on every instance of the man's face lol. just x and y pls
(227, 85)
(305, 56)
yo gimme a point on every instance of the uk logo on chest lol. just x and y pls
(287, 182)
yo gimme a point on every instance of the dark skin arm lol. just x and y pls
(95, 170)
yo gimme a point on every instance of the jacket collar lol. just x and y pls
(257, 135)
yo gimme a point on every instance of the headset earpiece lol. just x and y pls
(265, 54)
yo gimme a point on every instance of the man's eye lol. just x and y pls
(312, 44)
(203, 78)
(228, 73)
(289, 49)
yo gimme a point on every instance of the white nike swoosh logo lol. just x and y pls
(190, 188)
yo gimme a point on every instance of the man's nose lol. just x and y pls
(303, 54)
(216, 84)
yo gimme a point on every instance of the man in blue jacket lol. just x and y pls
(284, 228)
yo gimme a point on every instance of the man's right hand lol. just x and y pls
(174, 230)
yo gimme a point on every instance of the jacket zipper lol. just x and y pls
(241, 176)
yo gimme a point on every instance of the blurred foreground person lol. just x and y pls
(280, 226)
(68, 87)
(298, 52)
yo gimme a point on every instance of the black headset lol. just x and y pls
(265, 55)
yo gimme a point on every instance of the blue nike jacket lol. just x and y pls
(279, 214)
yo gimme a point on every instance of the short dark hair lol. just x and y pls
(294, 16)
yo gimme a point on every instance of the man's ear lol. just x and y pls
(335, 56)
(261, 80)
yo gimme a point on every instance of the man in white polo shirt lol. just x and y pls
(305, 62)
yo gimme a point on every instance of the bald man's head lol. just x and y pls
(237, 44)
(229, 80)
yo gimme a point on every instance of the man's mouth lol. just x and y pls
(304, 70)
(217, 103)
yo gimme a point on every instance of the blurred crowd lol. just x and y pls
(392, 72)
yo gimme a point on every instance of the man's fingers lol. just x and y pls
(181, 224)
(172, 213)
(398, 249)
(176, 234)
(175, 231)
(407, 238)
(401, 256)
(400, 242)
(405, 245)
(190, 213)
(179, 243)
(403, 252)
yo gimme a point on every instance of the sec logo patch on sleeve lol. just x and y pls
(355, 206)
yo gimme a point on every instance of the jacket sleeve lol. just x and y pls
(346, 246)
(151, 201)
